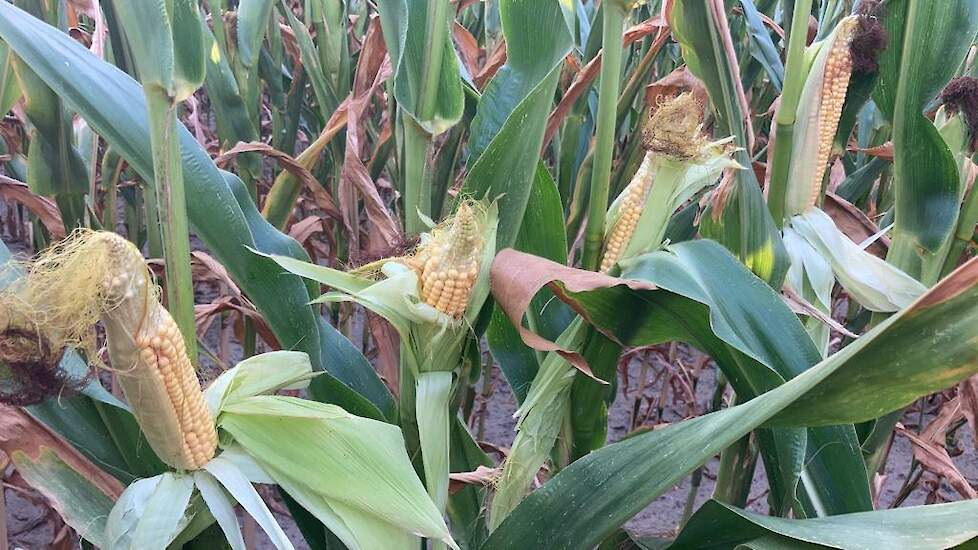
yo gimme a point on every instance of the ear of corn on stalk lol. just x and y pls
(450, 261)
(679, 161)
(152, 366)
(819, 110)
(99, 275)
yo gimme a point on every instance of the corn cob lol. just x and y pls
(835, 84)
(672, 132)
(151, 363)
(632, 205)
(450, 263)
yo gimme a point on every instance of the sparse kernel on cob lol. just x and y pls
(632, 205)
(673, 131)
(450, 262)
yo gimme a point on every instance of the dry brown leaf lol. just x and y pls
(483, 476)
(517, 277)
(492, 64)
(388, 351)
(373, 68)
(799, 305)
(928, 449)
(968, 396)
(586, 76)
(21, 433)
(305, 228)
(205, 314)
(320, 195)
(468, 46)
(45, 209)
(884, 151)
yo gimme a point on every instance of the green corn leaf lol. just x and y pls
(743, 224)
(928, 41)
(189, 48)
(511, 119)
(82, 505)
(921, 349)
(221, 211)
(234, 481)
(221, 505)
(252, 19)
(718, 525)
(428, 89)
(875, 284)
(9, 90)
(151, 511)
(352, 463)
(150, 38)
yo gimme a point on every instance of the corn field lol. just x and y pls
(268, 267)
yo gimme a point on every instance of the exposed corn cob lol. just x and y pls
(151, 363)
(99, 275)
(838, 69)
(672, 133)
(451, 262)
(628, 215)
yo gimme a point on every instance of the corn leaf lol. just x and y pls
(743, 223)
(511, 119)
(718, 525)
(221, 505)
(408, 35)
(926, 347)
(257, 375)
(9, 90)
(875, 284)
(928, 41)
(221, 211)
(75, 487)
(252, 20)
(163, 516)
(753, 336)
(234, 481)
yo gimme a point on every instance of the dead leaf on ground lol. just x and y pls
(929, 450)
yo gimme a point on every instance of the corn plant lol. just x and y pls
(288, 243)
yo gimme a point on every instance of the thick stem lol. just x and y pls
(171, 204)
(788, 110)
(417, 187)
(614, 18)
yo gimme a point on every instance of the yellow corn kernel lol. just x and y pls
(151, 363)
(451, 263)
(835, 84)
(629, 213)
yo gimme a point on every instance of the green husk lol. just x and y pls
(872, 282)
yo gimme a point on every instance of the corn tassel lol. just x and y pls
(151, 363)
(450, 263)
